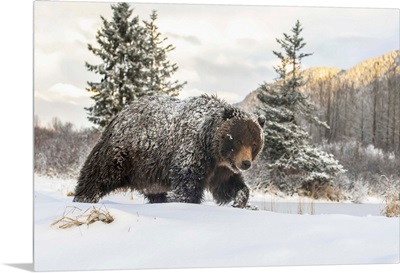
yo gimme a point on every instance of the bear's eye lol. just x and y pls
(254, 147)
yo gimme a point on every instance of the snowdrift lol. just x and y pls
(150, 236)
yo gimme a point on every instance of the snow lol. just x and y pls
(176, 235)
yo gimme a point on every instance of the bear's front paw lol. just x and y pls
(248, 206)
(251, 207)
(241, 198)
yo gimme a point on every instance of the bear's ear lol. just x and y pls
(228, 113)
(261, 120)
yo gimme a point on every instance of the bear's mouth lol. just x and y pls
(233, 166)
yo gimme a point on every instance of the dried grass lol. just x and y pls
(392, 206)
(89, 216)
(302, 208)
(392, 200)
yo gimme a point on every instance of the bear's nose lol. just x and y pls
(245, 164)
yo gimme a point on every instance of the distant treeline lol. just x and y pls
(60, 149)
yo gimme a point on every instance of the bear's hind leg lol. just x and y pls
(86, 193)
(157, 198)
(100, 175)
(90, 189)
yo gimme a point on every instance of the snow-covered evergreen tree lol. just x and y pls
(134, 64)
(290, 77)
(159, 68)
(287, 145)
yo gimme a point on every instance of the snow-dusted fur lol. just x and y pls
(172, 150)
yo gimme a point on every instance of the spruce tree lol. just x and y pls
(289, 156)
(290, 77)
(159, 68)
(133, 64)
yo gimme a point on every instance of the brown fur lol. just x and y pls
(244, 154)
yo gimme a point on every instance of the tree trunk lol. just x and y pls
(375, 102)
(388, 111)
(362, 117)
(328, 116)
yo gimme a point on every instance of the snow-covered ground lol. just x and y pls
(187, 235)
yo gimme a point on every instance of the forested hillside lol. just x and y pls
(362, 103)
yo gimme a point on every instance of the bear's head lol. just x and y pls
(240, 139)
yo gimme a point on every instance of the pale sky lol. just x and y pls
(220, 49)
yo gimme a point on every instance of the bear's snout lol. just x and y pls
(246, 164)
(243, 158)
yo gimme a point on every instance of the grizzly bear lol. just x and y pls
(172, 151)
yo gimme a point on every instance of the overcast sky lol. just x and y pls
(222, 49)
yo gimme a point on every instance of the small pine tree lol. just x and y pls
(290, 76)
(159, 68)
(287, 146)
(133, 64)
